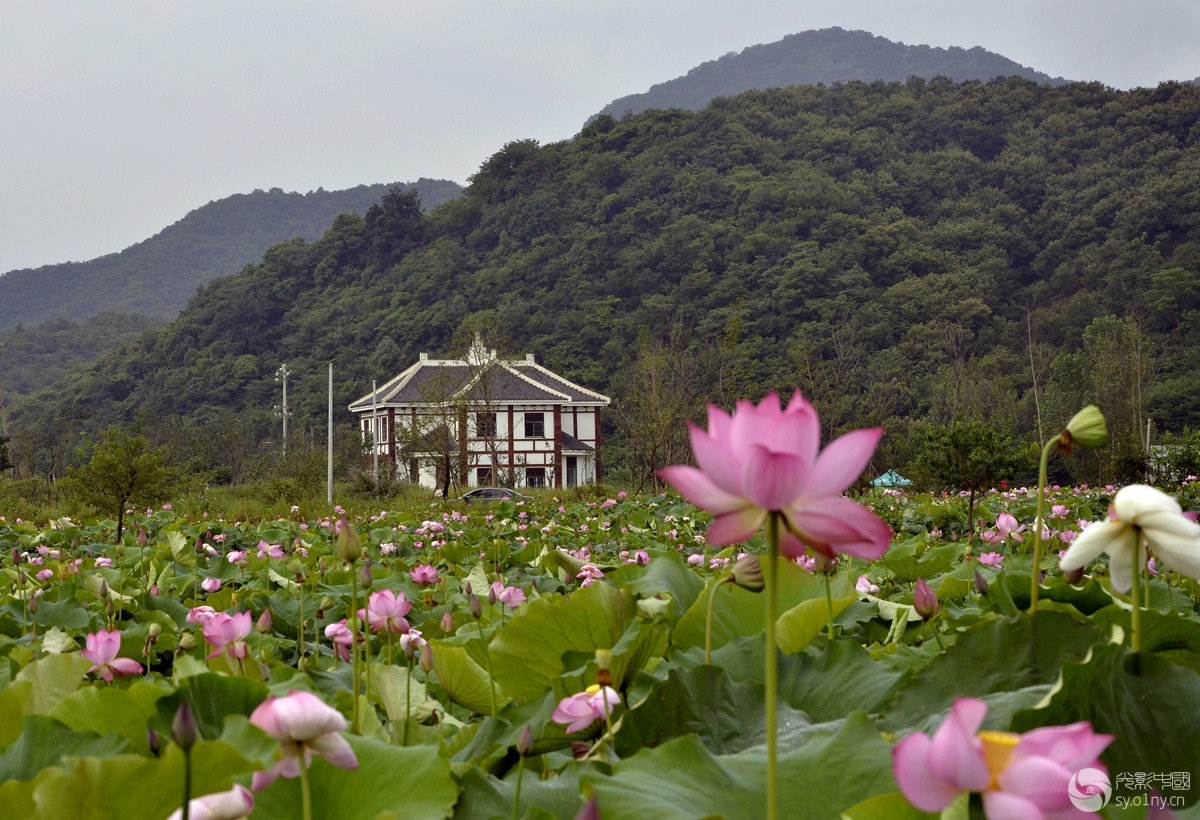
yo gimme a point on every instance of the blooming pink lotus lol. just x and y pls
(995, 560)
(236, 803)
(226, 632)
(304, 725)
(101, 649)
(767, 459)
(511, 597)
(424, 575)
(581, 710)
(341, 636)
(1019, 775)
(385, 611)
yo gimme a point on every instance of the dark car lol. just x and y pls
(493, 494)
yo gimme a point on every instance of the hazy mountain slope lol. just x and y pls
(890, 248)
(157, 276)
(820, 57)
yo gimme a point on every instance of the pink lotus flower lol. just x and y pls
(412, 642)
(767, 459)
(200, 615)
(342, 637)
(1007, 527)
(511, 597)
(303, 724)
(1019, 775)
(236, 803)
(585, 708)
(925, 600)
(995, 560)
(210, 584)
(385, 611)
(269, 550)
(424, 575)
(101, 649)
(225, 632)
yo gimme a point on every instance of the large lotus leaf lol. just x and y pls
(212, 698)
(527, 654)
(894, 806)
(16, 796)
(796, 628)
(487, 796)
(464, 681)
(50, 679)
(65, 614)
(682, 779)
(740, 612)
(841, 678)
(1007, 661)
(391, 782)
(104, 709)
(45, 741)
(395, 689)
(727, 716)
(666, 574)
(133, 787)
(1147, 703)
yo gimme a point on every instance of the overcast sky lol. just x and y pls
(119, 117)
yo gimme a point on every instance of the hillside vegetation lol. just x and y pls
(903, 252)
(156, 277)
(827, 56)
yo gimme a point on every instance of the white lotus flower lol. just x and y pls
(1173, 536)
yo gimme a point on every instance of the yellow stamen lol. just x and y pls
(997, 749)
(593, 689)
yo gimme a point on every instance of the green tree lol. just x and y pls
(967, 455)
(121, 470)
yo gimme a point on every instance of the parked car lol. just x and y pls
(487, 494)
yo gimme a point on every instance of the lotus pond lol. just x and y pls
(548, 659)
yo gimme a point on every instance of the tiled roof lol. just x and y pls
(570, 444)
(433, 381)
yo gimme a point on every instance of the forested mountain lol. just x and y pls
(904, 252)
(156, 277)
(826, 56)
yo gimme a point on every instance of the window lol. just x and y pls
(535, 425)
(483, 476)
(535, 476)
(485, 425)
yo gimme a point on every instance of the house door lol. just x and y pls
(572, 471)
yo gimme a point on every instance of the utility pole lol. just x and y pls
(6, 454)
(374, 433)
(329, 437)
(281, 375)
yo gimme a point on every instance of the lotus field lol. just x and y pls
(607, 658)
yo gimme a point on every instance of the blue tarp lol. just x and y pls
(891, 479)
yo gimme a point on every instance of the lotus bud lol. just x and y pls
(475, 606)
(492, 595)
(152, 741)
(264, 622)
(103, 592)
(466, 588)
(426, 659)
(1086, 428)
(33, 606)
(365, 578)
(747, 573)
(981, 584)
(142, 538)
(349, 544)
(525, 742)
(447, 622)
(183, 726)
(154, 631)
(154, 590)
(1073, 576)
(925, 601)
(187, 640)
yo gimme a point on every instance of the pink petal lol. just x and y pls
(1075, 746)
(736, 526)
(1004, 805)
(772, 480)
(839, 525)
(956, 753)
(1040, 780)
(698, 488)
(336, 749)
(125, 666)
(842, 462)
(919, 785)
(717, 459)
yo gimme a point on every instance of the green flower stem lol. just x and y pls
(772, 666)
(1036, 569)
(187, 782)
(829, 600)
(408, 673)
(708, 619)
(354, 654)
(517, 791)
(1135, 598)
(301, 662)
(305, 790)
(487, 657)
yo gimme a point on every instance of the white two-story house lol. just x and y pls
(482, 421)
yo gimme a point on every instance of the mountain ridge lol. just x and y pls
(821, 57)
